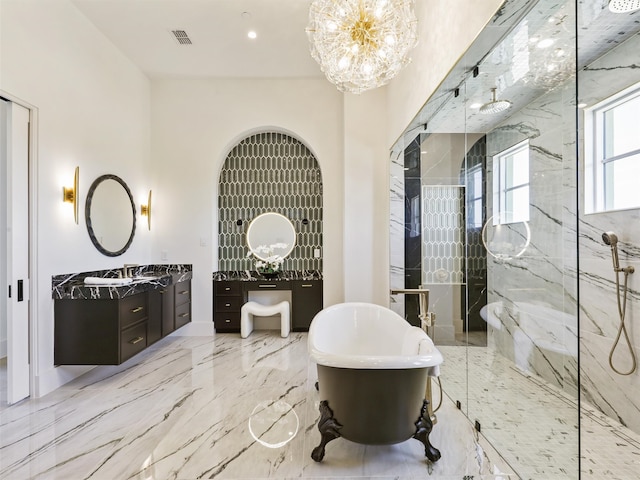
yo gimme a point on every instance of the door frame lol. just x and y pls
(33, 239)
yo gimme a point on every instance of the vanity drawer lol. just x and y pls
(268, 285)
(133, 309)
(228, 304)
(227, 322)
(183, 292)
(183, 315)
(228, 288)
(133, 340)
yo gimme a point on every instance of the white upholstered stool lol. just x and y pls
(250, 309)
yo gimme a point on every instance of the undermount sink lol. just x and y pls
(98, 281)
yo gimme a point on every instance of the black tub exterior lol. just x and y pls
(374, 406)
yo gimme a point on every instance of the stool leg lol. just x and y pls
(285, 324)
(246, 324)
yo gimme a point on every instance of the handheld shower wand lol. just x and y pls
(611, 239)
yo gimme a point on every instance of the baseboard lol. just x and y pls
(57, 377)
(195, 329)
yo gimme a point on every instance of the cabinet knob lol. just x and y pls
(266, 286)
(184, 292)
(183, 315)
(227, 304)
(137, 309)
(227, 321)
(307, 285)
(136, 340)
(227, 289)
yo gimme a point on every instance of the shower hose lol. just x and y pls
(622, 329)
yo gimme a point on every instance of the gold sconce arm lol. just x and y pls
(70, 195)
(145, 210)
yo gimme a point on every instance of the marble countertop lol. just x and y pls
(145, 277)
(253, 276)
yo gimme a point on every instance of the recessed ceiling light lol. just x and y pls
(252, 34)
(624, 6)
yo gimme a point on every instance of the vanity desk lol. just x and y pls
(231, 291)
(108, 323)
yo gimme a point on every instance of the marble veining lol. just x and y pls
(146, 277)
(253, 276)
(215, 406)
(194, 407)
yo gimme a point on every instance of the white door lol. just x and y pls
(14, 150)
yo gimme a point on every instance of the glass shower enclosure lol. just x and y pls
(488, 212)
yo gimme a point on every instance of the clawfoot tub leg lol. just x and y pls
(328, 427)
(423, 429)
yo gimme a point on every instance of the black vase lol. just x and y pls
(268, 274)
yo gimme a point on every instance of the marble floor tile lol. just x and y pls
(231, 408)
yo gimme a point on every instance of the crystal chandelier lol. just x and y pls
(361, 44)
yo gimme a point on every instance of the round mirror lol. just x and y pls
(271, 234)
(506, 241)
(111, 215)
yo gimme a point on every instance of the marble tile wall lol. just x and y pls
(397, 228)
(614, 394)
(531, 300)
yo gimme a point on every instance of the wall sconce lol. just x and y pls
(70, 195)
(145, 210)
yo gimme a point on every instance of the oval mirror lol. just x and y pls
(271, 231)
(111, 215)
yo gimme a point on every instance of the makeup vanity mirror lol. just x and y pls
(269, 229)
(111, 215)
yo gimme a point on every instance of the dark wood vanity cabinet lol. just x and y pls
(230, 295)
(182, 301)
(306, 296)
(227, 301)
(162, 313)
(110, 331)
(100, 331)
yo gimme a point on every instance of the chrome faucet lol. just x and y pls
(427, 318)
(126, 269)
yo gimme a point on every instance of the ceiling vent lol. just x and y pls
(181, 37)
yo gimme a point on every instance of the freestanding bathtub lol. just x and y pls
(372, 375)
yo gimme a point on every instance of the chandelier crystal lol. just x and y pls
(361, 44)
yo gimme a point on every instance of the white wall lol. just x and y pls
(366, 198)
(195, 123)
(93, 112)
(446, 29)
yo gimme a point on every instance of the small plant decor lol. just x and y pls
(268, 264)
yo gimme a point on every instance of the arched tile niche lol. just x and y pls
(270, 172)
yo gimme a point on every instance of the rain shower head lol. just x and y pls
(495, 106)
(624, 6)
(610, 238)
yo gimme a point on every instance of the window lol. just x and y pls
(511, 185)
(612, 152)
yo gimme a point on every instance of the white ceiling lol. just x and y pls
(141, 29)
